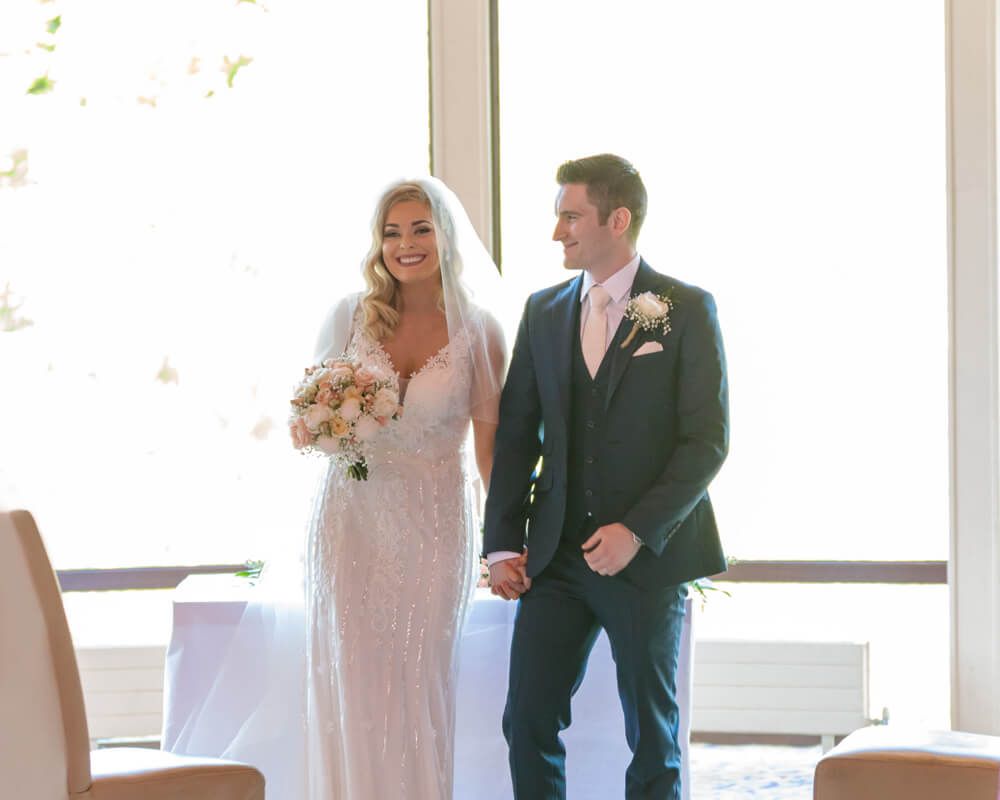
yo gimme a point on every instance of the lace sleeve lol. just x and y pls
(489, 368)
(335, 333)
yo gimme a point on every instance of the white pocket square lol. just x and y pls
(647, 348)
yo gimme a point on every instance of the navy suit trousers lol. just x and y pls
(557, 622)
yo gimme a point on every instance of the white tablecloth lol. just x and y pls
(207, 609)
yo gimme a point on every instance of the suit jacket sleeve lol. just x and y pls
(702, 408)
(516, 451)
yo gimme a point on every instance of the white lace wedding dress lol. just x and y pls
(389, 574)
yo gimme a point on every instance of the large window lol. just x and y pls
(184, 193)
(795, 157)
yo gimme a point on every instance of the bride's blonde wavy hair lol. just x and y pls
(380, 302)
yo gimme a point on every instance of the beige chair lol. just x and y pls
(885, 763)
(44, 745)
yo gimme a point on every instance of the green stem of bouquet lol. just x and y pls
(358, 471)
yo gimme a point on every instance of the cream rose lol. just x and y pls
(316, 415)
(341, 374)
(649, 305)
(366, 428)
(338, 427)
(350, 409)
(385, 403)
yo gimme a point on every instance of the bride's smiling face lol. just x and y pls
(409, 242)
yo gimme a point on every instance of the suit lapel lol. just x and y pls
(564, 335)
(645, 281)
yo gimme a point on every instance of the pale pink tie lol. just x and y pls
(595, 331)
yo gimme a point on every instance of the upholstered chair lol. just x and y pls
(890, 763)
(44, 745)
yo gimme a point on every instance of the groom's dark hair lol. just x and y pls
(612, 182)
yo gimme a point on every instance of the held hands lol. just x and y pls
(509, 578)
(610, 549)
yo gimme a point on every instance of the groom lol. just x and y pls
(631, 424)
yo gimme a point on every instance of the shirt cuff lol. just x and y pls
(499, 555)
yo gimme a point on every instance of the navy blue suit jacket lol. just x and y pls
(666, 434)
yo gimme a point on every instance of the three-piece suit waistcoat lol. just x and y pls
(586, 431)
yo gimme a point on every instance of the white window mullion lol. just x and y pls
(975, 467)
(461, 151)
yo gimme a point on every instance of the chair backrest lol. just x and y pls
(44, 745)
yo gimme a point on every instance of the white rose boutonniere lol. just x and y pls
(648, 312)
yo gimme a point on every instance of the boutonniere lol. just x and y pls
(649, 312)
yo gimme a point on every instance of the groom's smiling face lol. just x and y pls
(586, 242)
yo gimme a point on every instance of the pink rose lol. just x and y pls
(301, 437)
(325, 395)
(365, 378)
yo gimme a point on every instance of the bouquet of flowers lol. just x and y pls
(338, 408)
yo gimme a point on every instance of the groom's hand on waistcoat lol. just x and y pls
(610, 549)
(509, 578)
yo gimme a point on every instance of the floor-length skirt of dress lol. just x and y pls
(389, 566)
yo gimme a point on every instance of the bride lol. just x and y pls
(391, 559)
(358, 694)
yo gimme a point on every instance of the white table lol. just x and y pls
(207, 609)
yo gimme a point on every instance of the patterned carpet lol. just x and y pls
(735, 772)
